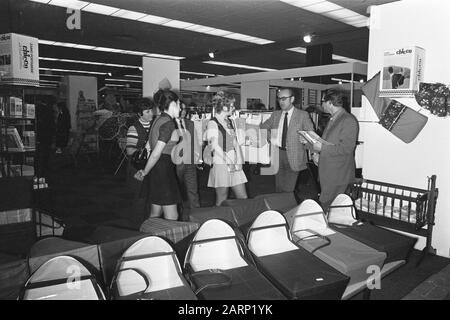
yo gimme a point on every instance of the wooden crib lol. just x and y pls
(397, 207)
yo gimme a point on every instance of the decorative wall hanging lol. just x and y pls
(399, 119)
(435, 97)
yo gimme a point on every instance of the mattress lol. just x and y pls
(345, 254)
(177, 293)
(247, 283)
(281, 202)
(374, 207)
(245, 211)
(300, 275)
(395, 245)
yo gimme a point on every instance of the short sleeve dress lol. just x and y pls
(162, 178)
(220, 174)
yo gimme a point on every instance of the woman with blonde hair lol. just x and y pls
(227, 156)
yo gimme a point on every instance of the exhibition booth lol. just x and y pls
(286, 249)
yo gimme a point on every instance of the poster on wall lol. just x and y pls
(402, 72)
(19, 59)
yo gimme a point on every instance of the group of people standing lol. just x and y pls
(171, 140)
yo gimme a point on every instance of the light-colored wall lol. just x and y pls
(254, 90)
(75, 84)
(155, 70)
(401, 24)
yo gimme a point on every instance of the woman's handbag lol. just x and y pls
(139, 158)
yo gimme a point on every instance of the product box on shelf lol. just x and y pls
(29, 111)
(14, 107)
(29, 140)
(402, 72)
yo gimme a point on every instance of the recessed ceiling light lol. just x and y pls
(146, 18)
(72, 4)
(235, 65)
(127, 14)
(307, 38)
(330, 10)
(100, 9)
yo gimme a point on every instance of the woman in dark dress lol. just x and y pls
(164, 193)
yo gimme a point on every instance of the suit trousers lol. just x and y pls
(285, 178)
(187, 176)
(329, 193)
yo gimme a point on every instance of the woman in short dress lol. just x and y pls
(227, 160)
(163, 190)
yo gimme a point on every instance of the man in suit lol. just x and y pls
(337, 159)
(189, 152)
(292, 153)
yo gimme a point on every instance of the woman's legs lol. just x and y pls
(221, 195)
(239, 191)
(170, 212)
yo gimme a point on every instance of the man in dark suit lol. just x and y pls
(188, 152)
(292, 154)
(337, 159)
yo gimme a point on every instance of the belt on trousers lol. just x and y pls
(281, 148)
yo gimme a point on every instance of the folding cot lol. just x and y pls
(342, 217)
(310, 230)
(297, 273)
(218, 267)
(149, 270)
(245, 211)
(281, 201)
(62, 278)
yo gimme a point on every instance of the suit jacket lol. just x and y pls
(296, 151)
(194, 148)
(337, 162)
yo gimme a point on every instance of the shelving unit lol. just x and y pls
(22, 193)
(14, 153)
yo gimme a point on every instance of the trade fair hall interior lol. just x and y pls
(224, 150)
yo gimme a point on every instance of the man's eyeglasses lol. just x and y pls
(283, 98)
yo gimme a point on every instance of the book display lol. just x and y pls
(17, 132)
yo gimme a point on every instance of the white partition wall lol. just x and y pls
(156, 70)
(254, 90)
(395, 25)
(81, 93)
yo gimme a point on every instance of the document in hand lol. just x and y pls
(312, 137)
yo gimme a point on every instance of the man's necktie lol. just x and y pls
(285, 129)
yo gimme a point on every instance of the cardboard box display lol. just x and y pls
(19, 59)
(402, 72)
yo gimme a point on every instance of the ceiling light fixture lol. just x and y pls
(235, 65)
(308, 37)
(147, 18)
(212, 54)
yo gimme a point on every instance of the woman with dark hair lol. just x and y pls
(227, 159)
(163, 190)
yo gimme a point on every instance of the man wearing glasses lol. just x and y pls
(292, 153)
